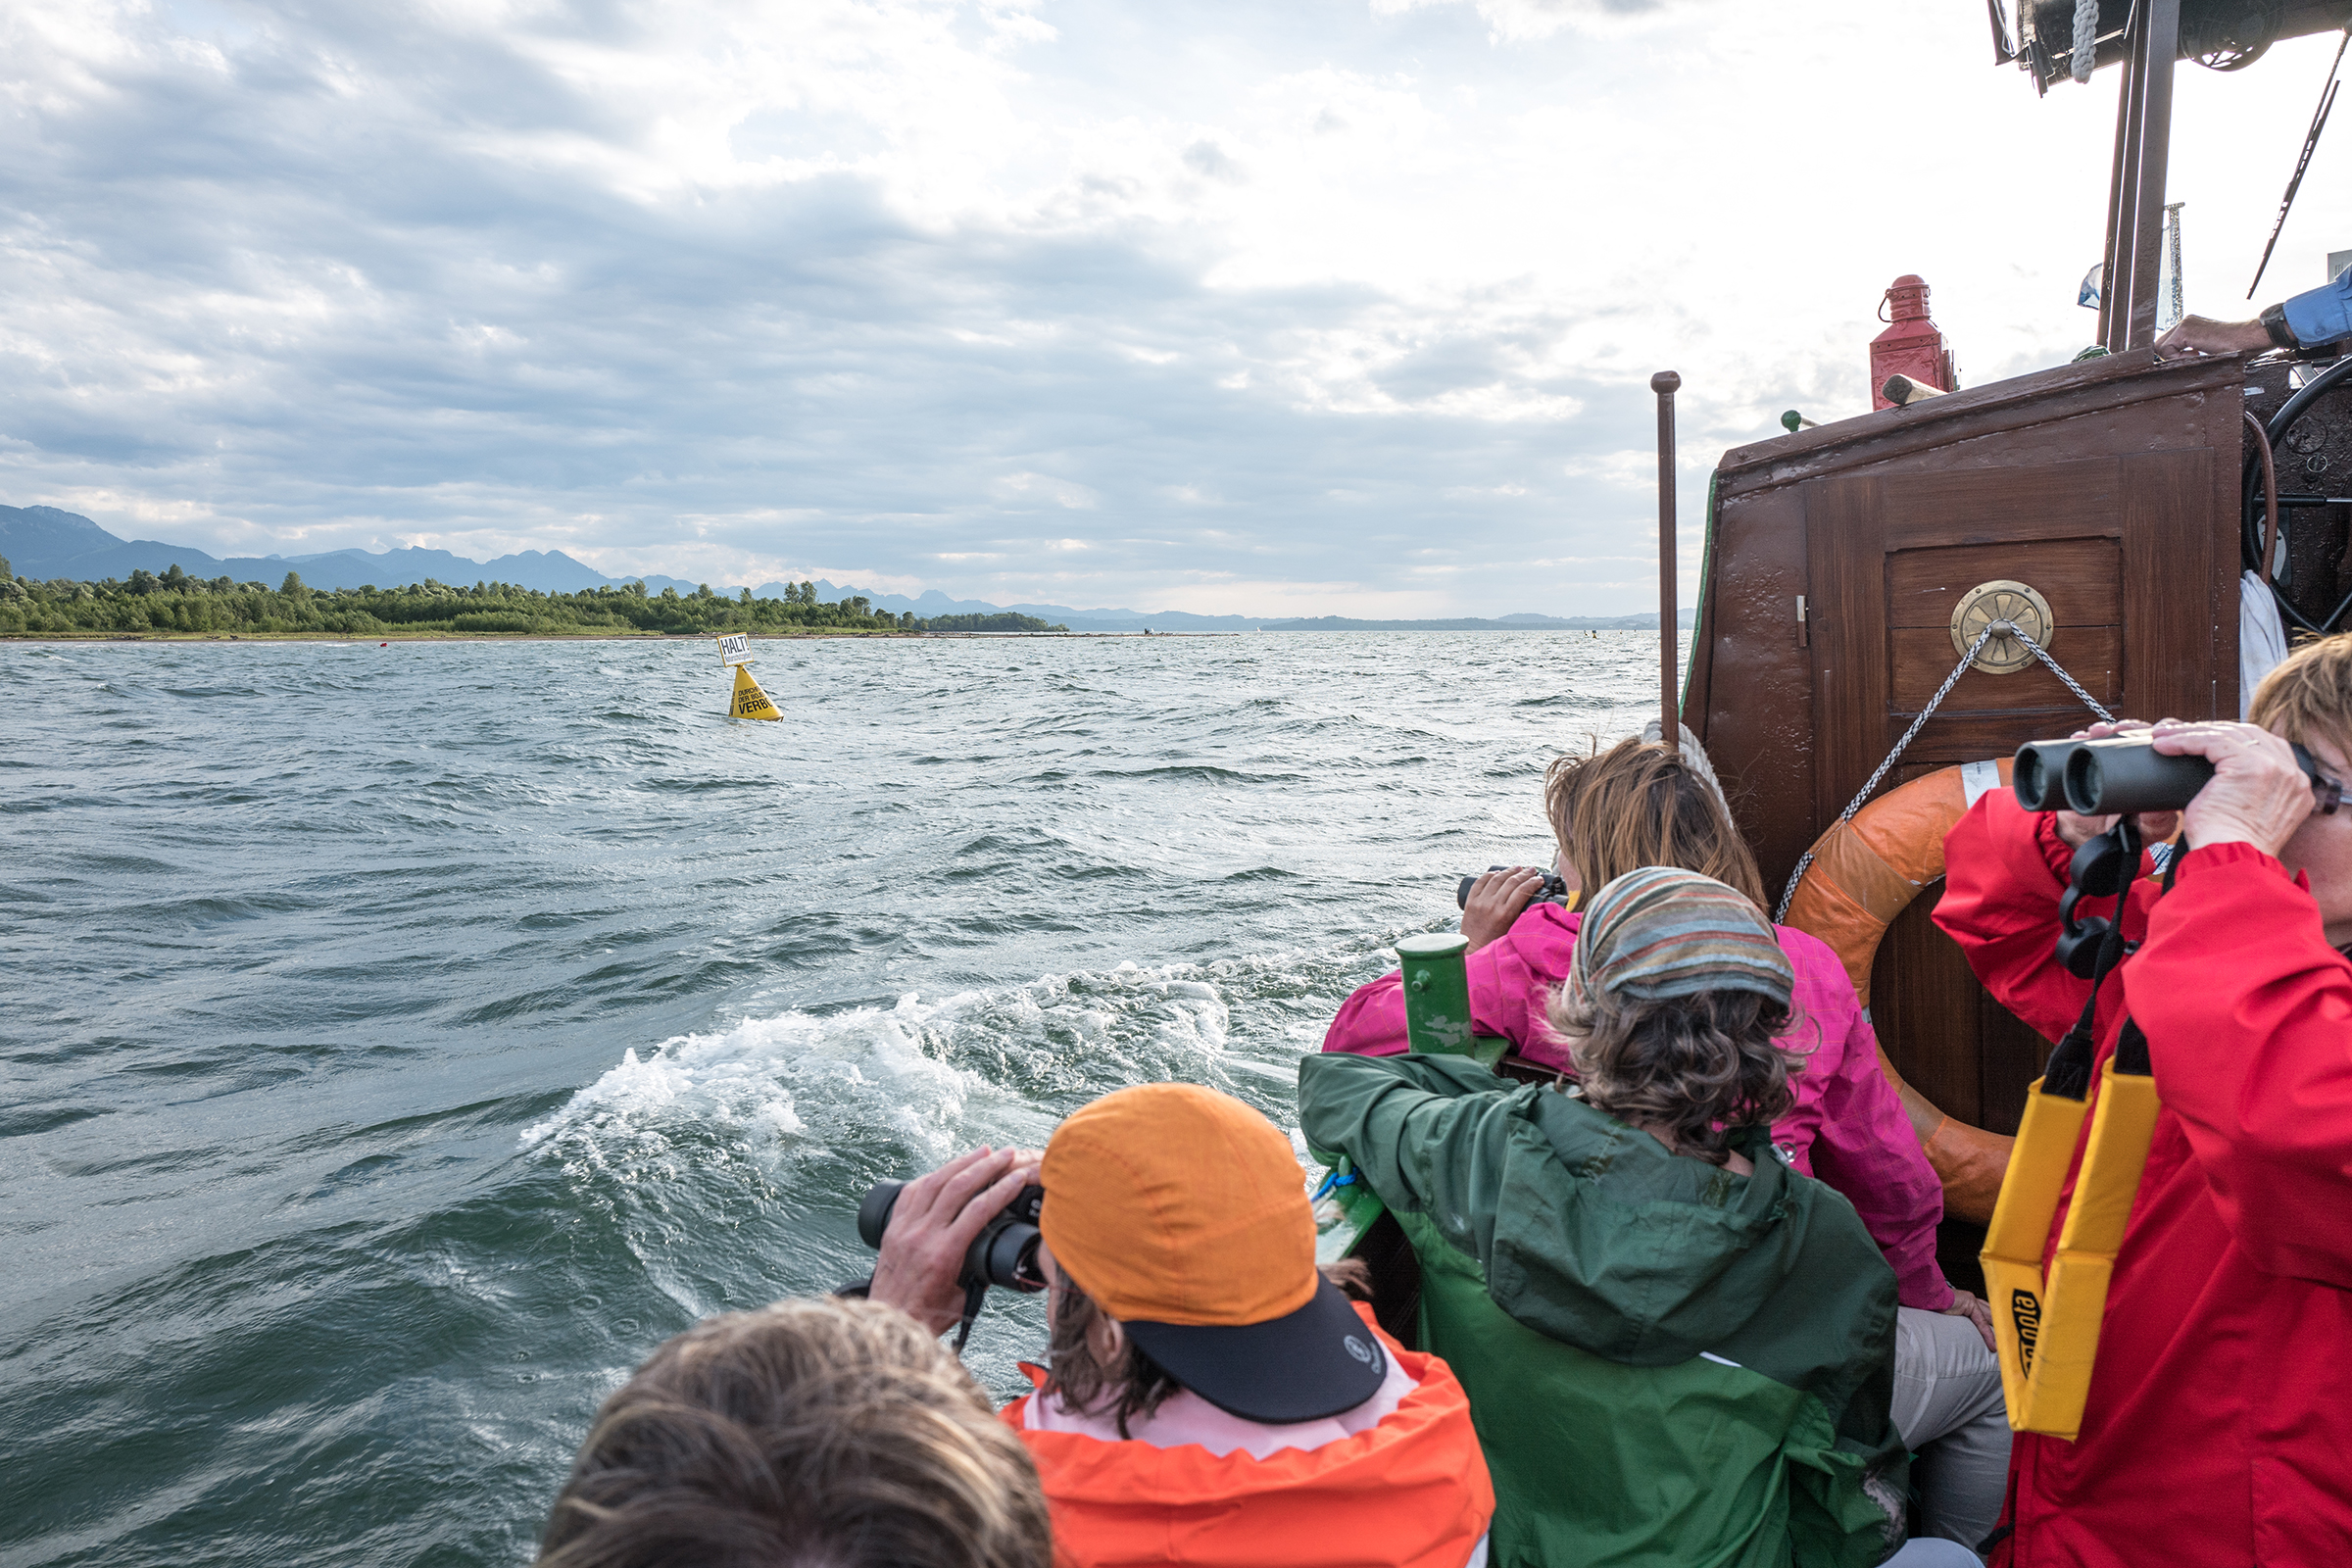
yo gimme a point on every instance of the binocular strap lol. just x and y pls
(975, 1296)
(2046, 1327)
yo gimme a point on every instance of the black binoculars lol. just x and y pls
(2102, 778)
(1551, 889)
(2124, 774)
(1005, 1252)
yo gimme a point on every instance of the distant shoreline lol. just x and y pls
(363, 639)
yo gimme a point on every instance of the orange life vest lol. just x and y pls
(1412, 1491)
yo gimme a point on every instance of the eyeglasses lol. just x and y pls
(2326, 793)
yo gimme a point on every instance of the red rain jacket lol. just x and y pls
(2218, 1425)
(1412, 1491)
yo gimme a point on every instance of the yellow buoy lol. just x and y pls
(748, 700)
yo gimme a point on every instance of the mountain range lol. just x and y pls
(45, 542)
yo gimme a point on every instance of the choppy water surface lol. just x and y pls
(402, 1042)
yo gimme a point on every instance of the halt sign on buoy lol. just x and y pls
(748, 700)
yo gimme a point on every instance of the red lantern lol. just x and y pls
(1912, 345)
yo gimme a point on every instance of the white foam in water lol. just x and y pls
(767, 1081)
(770, 1086)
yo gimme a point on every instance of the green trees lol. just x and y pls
(1004, 620)
(179, 604)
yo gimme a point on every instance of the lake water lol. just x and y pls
(402, 1042)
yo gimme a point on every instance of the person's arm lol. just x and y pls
(1866, 1149)
(1428, 1133)
(2248, 1010)
(2004, 868)
(932, 1226)
(1507, 992)
(1371, 1022)
(2248, 1014)
(2311, 318)
(2322, 314)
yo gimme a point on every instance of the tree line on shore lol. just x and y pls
(172, 603)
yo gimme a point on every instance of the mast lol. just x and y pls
(2143, 125)
(1669, 719)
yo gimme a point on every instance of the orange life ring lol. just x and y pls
(1864, 873)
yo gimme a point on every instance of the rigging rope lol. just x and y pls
(1995, 629)
(2310, 139)
(2086, 39)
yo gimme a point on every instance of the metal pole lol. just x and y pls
(1670, 725)
(2115, 271)
(2160, 41)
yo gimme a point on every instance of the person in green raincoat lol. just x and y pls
(1678, 1350)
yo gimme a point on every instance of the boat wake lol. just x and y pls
(907, 1084)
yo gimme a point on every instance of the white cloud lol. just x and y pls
(1526, 19)
(736, 290)
(1044, 488)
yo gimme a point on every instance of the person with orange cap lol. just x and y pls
(1212, 1398)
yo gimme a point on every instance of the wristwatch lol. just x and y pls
(2274, 321)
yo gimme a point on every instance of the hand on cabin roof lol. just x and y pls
(2201, 334)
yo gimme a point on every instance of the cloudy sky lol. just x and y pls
(1324, 305)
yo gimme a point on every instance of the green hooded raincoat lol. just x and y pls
(1666, 1363)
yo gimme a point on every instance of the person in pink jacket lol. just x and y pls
(1640, 805)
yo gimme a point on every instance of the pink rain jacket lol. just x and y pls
(1848, 1127)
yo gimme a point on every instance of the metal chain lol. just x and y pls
(1994, 629)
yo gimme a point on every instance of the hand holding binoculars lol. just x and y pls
(2122, 776)
(2125, 774)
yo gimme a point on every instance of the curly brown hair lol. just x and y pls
(1692, 1068)
(1637, 804)
(829, 1432)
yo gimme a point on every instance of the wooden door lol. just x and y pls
(2122, 549)
(2118, 546)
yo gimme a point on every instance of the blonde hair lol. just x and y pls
(1637, 804)
(829, 1432)
(2310, 695)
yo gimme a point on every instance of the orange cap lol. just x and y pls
(1174, 1204)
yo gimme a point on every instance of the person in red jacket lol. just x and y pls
(2218, 1425)
(1213, 1399)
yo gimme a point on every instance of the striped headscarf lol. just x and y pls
(1660, 932)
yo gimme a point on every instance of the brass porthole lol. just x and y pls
(2001, 599)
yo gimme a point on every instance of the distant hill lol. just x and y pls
(932, 604)
(44, 542)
